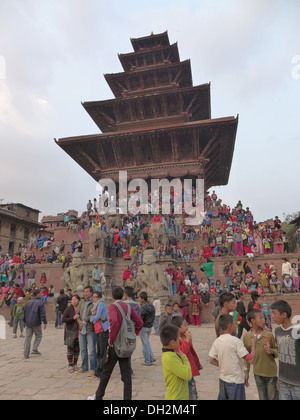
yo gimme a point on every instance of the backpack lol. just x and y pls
(125, 343)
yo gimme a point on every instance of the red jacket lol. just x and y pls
(126, 274)
(115, 320)
(188, 349)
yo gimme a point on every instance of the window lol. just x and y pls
(13, 229)
(26, 233)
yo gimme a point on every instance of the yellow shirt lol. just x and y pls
(177, 373)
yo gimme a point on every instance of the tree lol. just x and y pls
(290, 229)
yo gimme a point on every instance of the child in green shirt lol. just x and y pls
(264, 367)
(18, 314)
(176, 366)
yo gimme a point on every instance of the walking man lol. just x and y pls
(115, 321)
(34, 317)
(148, 316)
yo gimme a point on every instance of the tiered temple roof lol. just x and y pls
(158, 125)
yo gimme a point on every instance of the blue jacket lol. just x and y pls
(35, 313)
(101, 310)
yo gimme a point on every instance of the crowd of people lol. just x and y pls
(92, 330)
(105, 336)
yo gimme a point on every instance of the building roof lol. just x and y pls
(153, 109)
(20, 205)
(212, 139)
(4, 213)
(150, 41)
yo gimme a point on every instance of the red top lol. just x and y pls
(188, 349)
(115, 320)
(126, 274)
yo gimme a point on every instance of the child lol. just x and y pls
(157, 306)
(18, 314)
(176, 310)
(184, 306)
(186, 346)
(295, 276)
(51, 291)
(96, 286)
(43, 279)
(196, 307)
(228, 353)
(241, 309)
(166, 317)
(287, 339)
(264, 367)
(266, 308)
(176, 366)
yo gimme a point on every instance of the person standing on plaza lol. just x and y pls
(148, 316)
(241, 309)
(129, 297)
(100, 320)
(228, 352)
(186, 346)
(264, 367)
(227, 304)
(69, 318)
(87, 336)
(288, 342)
(115, 321)
(176, 366)
(18, 317)
(157, 306)
(61, 303)
(34, 317)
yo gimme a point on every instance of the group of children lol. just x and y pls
(234, 356)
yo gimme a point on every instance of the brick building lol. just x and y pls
(17, 224)
(53, 222)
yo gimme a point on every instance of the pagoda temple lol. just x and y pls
(158, 125)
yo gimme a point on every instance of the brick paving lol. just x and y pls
(46, 376)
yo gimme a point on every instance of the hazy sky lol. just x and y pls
(53, 54)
